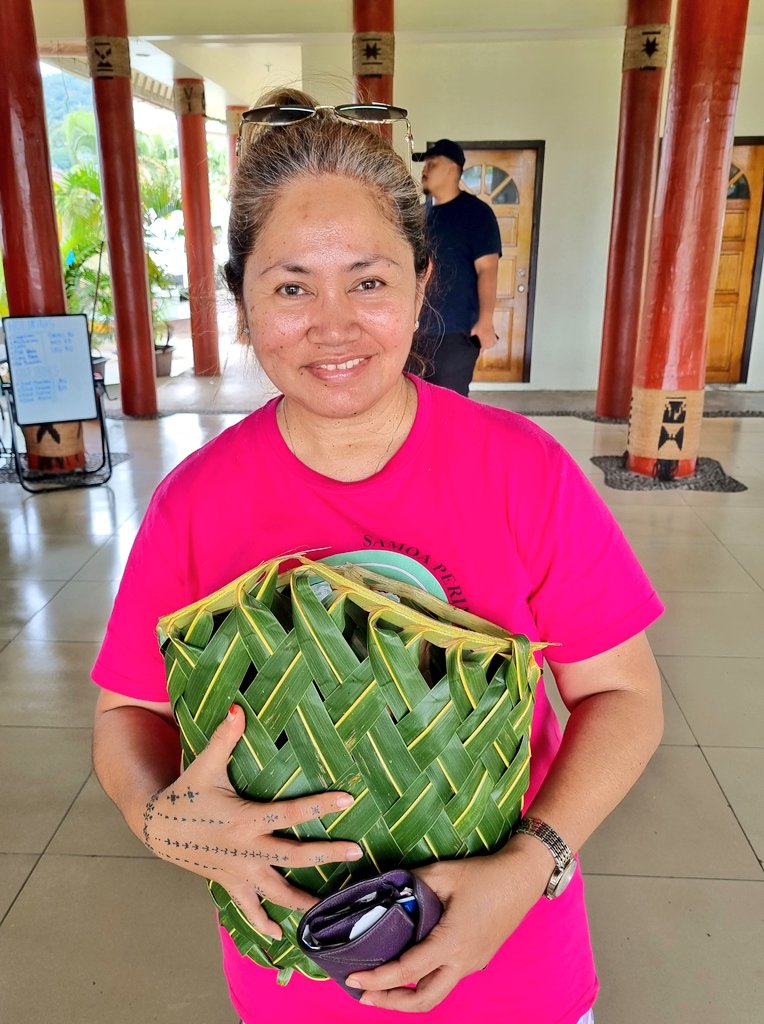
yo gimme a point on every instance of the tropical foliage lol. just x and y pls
(79, 206)
(64, 93)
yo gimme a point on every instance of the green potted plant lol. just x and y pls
(163, 350)
(81, 223)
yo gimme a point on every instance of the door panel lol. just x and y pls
(506, 180)
(729, 314)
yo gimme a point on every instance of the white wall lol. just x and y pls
(566, 92)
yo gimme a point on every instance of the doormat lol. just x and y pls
(592, 417)
(708, 476)
(8, 474)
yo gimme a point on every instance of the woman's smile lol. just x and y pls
(339, 366)
(331, 371)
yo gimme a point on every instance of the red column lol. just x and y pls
(197, 221)
(644, 62)
(31, 258)
(669, 374)
(374, 53)
(109, 59)
(233, 118)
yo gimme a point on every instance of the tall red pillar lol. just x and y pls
(233, 120)
(669, 374)
(374, 53)
(644, 61)
(31, 259)
(109, 59)
(197, 222)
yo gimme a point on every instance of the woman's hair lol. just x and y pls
(277, 156)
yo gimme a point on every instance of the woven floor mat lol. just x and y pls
(8, 474)
(235, 409)
(709, 476)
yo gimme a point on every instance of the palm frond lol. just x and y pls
(420, 710)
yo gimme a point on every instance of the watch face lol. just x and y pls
(560, 880)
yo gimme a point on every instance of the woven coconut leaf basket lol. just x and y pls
(353, 681)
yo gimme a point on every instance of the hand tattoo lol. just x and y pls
(148, 817)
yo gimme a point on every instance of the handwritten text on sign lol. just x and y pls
(51, 372)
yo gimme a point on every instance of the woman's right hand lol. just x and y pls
(200, 823)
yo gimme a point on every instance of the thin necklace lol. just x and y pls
(289, 432)
(395, 432)
(383, 456)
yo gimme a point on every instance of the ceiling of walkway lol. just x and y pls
(241, 46)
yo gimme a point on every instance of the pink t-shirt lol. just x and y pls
(498, 512)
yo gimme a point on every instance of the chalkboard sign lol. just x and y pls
(51, 372)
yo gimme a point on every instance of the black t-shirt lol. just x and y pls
(460, 232)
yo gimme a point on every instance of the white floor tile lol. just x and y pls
(677, 950)
(710, 625)
(739, 772)
(79, 611)
(674, 823)
(722, 699)
(122, 940)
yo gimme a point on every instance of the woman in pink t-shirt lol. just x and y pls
(328, 267)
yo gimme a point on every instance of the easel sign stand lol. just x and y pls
(51, 391)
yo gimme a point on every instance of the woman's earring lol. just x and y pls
(245, 330)
(416, 325)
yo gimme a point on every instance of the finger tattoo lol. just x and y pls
(189, 795)
(218, 851)
(148, 817)
(193, 821)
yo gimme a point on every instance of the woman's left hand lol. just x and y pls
(485, 899)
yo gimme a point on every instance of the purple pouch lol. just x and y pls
(384, 915)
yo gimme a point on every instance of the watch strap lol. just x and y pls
(549, 837)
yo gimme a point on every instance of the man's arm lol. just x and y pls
(487, 269)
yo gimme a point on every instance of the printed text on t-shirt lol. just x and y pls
(439, 569)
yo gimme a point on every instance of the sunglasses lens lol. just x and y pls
(277, 115)
(375, 112)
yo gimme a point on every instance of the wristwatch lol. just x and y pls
(565, 862)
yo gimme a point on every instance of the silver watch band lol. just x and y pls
(552, 840)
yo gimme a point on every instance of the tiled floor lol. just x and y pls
(95, 931)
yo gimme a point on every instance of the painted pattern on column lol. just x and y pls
(664, 424)
(373, 53)
(108, 57)
(189, 98)
(646, 48)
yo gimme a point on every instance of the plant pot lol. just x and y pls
(163, 357)
(99, 364)
(55, 447)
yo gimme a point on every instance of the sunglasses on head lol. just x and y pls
(282, 115)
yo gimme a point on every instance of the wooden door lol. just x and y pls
(729, 314)
(506, 180)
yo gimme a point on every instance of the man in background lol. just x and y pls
(464, 235)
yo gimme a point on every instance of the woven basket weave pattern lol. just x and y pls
(425, 721)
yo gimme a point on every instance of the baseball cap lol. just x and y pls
(443, 147)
